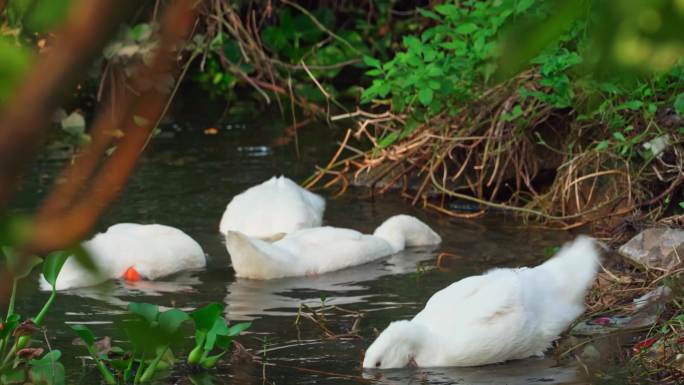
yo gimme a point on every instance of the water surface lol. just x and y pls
(186, 179)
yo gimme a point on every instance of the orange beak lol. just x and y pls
(132, 275)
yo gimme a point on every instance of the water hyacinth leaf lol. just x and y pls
(53, 265)
(205, 317)
(48, 370)
(223, 342)
(171, 320)
(238, 328)
(148, 311)
(84, 333)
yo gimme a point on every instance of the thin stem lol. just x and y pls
(139, 372)
(106, 374)
(149, 372)
(38, 320)
(10, 307)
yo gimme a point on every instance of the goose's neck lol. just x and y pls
(392, 234)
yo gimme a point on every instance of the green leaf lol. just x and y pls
(47, 14)
(466, 28)
(48, 370)
(681, 205)
(238, 328)
(53, 265)
(84, 333)
(171, 320)
(679, 104)
(372, 62)
(148, 311)
(388, 139)
(19, 267)
(425, 96)
(205, 317)
(15, 61)
(619, 136)
(602, 145)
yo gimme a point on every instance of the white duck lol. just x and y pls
(272, 209)
(502, 315)
(133, 252)
(323, 249)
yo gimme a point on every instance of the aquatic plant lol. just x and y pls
(154, 336)
(19, 361)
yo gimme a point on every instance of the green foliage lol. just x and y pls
(15, 334)
(154, 335)
(13, 66)
(450, 65)
(36, 16)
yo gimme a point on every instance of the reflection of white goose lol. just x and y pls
(273, 208)
(502, 315)
(324, 249)
(132, 251)
(248, 298)
(522, 372)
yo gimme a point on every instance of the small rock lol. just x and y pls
(656, 248)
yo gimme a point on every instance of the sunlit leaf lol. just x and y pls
(205, 317)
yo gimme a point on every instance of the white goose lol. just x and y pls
(323, 249)
(133, 252)
(502, 315)
(272, 209)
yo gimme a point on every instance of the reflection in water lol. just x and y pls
(186, 182)
(248, 299)
(521, 372)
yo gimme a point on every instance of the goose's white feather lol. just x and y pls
(502, 315)
(274, 207)
(324, 249)
(154, 251)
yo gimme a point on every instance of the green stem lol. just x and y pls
(23, 341)
(106, 374)
(149, 372)
(38, 320)
(139, 372)
(10, 307)
(129, 368)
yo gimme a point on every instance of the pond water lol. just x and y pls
(187, 179)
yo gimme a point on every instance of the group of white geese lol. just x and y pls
(274, 230)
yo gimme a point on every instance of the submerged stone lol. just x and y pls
(655, 248)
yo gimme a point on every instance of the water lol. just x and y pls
(187, 179)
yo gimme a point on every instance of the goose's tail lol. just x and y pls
(256, 259)
(573, 269)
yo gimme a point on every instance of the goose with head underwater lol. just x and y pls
(272, 209)
(503, 315)
(132, 252)
(324, 249)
